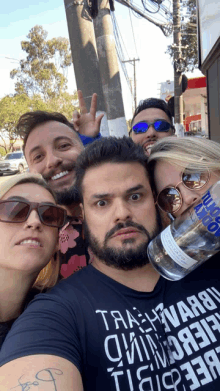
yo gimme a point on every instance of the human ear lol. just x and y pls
(82, 210)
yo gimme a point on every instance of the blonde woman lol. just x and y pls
(29, 224)
(182, 170)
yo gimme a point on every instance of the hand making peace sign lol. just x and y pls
(86, 123)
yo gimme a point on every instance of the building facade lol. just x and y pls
(209, 59)
(194, 104)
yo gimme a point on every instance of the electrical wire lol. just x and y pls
(119, 50)
(165, 27)
(144, 3)
(119, 33)
(133, 32)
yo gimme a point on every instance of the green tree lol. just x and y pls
(65, 103)
(40, 83)
(43, 71)
(188, 35)
(11, 108)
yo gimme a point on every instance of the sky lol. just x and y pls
(148, 44)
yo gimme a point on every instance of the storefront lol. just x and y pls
(209, 59)
(195, 117)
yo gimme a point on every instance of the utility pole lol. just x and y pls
(132, 62)
(178, 98)
(109, 70)
(84, 55)
(131, 87)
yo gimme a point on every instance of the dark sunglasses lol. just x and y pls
(19, 211)
(159, 125)
(170, 200)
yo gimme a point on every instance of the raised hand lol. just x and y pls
(87, 123)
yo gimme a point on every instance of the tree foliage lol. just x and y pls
(43, 70)
(10, 110)
(40, 83)
(65, 103)
(189, 47)
(12, 107)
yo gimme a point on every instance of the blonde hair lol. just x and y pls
(48, 276)
(191, 152)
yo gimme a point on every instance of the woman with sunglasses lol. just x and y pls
(182, 170)
(29, 224)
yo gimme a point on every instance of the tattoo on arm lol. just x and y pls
(47, 375)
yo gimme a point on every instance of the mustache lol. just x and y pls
(63, 167)
(126, 225)
(153, 138)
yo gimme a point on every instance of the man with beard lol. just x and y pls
(116, 325)
(51, 147)
(73, 335)
(152, 120)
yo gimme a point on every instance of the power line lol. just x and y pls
(119, 50)
(135, 81)
(119, 32)
(133, 32)
(9, 58)
(148, 10)
(165, 27)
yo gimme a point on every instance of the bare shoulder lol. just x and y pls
(40, 373)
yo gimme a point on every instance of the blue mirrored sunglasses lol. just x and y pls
(159, 126)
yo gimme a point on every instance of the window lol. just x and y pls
(195, 126)
(11, 156)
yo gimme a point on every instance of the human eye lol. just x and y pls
(38, 157)
(135, 197)
(101, 203)
(64, 146)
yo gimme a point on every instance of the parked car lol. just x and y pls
(13, 162)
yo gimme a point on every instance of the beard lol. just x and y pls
(122, 258)
(68, 196)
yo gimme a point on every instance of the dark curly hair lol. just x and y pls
(28, 121)
(152, 103)
(108, 150)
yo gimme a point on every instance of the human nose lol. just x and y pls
(53, 160)
(151, 132)
(33, 221)
(121, 212)
(188, 197)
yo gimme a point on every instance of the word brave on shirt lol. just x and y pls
(175, 348)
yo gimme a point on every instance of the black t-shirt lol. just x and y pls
(121, 339)
(6, 326)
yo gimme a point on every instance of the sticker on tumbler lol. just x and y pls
(174, 251)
